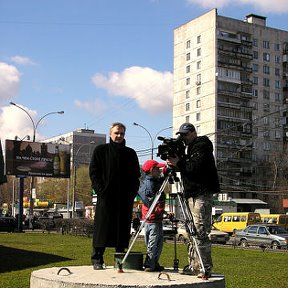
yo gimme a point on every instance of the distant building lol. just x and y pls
(231, 82)
(82, 141)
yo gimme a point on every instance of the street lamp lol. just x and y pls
(75, 173)
(35, 126)
(152, 143)
(162, 131)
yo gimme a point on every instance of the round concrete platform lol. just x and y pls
(85, 276)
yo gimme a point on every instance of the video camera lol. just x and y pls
(171, 147)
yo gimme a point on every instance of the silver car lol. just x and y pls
(263, 235)
(216, 236)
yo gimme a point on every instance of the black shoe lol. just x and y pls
(98, 267)
(188, 271)
(158, 267)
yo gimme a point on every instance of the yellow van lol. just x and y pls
(280, 219)
(230, 221)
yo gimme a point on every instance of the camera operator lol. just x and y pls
(200, 181)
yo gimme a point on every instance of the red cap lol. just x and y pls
(149, 164)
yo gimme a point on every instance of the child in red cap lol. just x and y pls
(153, 226)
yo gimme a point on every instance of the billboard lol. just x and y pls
(25, 158)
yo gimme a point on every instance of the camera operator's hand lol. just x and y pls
(172, 161)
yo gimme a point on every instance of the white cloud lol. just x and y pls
(151, 89)
(14, 122)
(9, 81)
(278, 6)
(96, 106)
(22, 60)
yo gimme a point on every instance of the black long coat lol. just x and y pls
(114, 173)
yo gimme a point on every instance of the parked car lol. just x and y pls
(7, 224)
(263, 235)
(216, 236)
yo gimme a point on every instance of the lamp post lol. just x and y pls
(152, 142)
(75, 174)
(162, 131)
(35, 126)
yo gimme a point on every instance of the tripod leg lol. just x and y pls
(190, 228)
(154, 203)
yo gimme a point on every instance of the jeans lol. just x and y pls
(201, 209)
(154, 243)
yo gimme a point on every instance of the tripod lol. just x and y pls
(171, 178)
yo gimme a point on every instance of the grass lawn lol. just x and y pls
(21, 253)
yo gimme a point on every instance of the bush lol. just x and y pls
(77, 226)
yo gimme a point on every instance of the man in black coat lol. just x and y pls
(200, 181)
(114, 173)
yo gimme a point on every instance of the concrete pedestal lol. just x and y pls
(85, 276)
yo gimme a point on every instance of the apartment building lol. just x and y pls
(231, 82)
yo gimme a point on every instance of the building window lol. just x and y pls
(198, 103)
(198, 90)
(266, 120)
(266, 56)
(255, 54)
(277, 72)
(198, 116)
(277, 84)
(277, 134)
(198, 39)
(187, 81)
(198, 80)
(187, 106)
(255, 80)
(255, 42)
(188, 69)
(266, 146)
(266, 44)
(187, 119)
(266, 107)
(198, 65)
(277, 47)
(188, 44)
(277, 97)
(266, 134)
(277, 122)
(266, 94)
(255, 67)
(255, 92)
(277, 59)
(187, 56)
(187, 94)
(266, 69)
(198, 52)
(266, 82)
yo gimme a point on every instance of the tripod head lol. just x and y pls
(171, 174)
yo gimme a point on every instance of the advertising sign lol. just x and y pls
(37, 159)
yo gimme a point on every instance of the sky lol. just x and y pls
(99, 61)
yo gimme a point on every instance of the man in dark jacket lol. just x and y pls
(114, 173)
(200, 181)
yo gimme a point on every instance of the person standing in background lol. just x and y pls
(114, 172)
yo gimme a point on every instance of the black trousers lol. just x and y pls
(98, 252)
